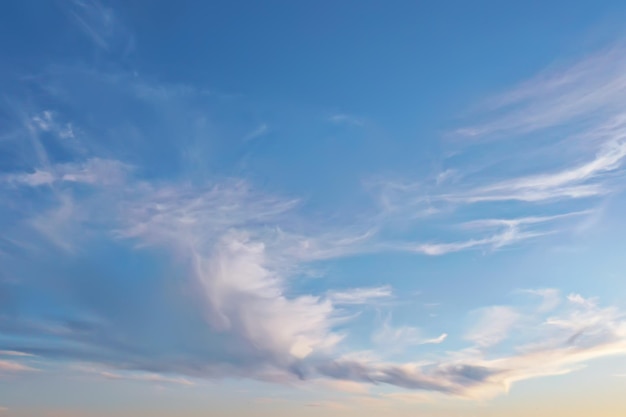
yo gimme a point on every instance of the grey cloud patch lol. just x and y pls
(448, 379)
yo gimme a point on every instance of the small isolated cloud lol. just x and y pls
(14, 353)
(551, 298)
(7, 367)
(436, 340)
(346, 119)
(360, 295)
(256, 133)
(580, 300)
(145, 378)
(330, 405)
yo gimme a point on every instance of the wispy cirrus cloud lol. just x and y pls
(551, 298)
(586, 102)
(232, 252)
(90, 171)
(493, 325)
(361, 295)
(8, 367)
(399, 338)
(497, 233)
(585, 180)
(592, 87)
(142, 377)
(14, 353)
(257, 133)
(100, 24)
(563, 343)
(554, 142)
(346, 119)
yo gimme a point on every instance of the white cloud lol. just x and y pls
(360, 295)
(399, 338)
(34, 179)
(14, 353)
(12, 367)
(44, 121)
(584, 333)
(596, 83)
(551, 298)
(238, 249)
(156, 378)
(342, 118)
(91, 171)
(256, 133)
(577, 152)
(435, 340)
(580, 300)
(511, 232)
(240, 269)
(492, 326)
(100, 24)
(572, 182)
(588, 95)
(508, 236)
(94, 171)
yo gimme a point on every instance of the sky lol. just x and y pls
(355, 208)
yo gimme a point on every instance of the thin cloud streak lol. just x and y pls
(543, 178)
(101, 25)
(584, 333)
(594, 88)
(360, 295)
(236, 249)
(569, 183)
(399, 338)
(256, 133)
(585, 89)
(7, 367)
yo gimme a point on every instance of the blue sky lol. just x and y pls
(226, 208)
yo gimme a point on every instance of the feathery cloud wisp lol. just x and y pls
(360, 295)
(236, 250)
